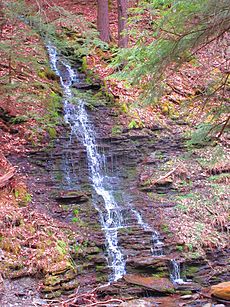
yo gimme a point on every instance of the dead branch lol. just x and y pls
(6, 177)
(165, 176)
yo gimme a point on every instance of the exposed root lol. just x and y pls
(86, 299)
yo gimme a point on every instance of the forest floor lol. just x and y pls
(30, 124)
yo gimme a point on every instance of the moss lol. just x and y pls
(165, 228)
(99, 268)
(101, 279)
(185, 292)
(180, 248)
(47, 73)
(84, 64)
(160, 275)
(191, 270)
(170, 290)
(51, 280)
(116, 130)
(53, 294)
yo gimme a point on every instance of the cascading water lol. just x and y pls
(157, 245)
(175, 272)
(110, 211)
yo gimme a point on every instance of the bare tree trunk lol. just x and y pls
(103, 19)
(122, 6)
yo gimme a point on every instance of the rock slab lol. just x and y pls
(160, 285)
(221, 290)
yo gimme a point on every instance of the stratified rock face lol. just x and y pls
(161, 285)
(75, 196)
(221, 290)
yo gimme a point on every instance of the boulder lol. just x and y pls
(160, 285)
(221, 290)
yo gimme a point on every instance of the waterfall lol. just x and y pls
(175, 272)
(110, 211)
(157, 244)
(76, 116)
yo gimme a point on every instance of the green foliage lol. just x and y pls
(174, 32)
(133, 124)
(72, 34)
(200, 135)
(124, 108)
(177, 28)
(12, 46)
(22, 196)
(190, 246)
(76, 218)
(61, 247)
(18, 119)
(220, 177)
(180, 248)
(116, 130)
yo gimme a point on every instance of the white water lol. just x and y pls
(110, 213)
(157, 245)
(175, 272)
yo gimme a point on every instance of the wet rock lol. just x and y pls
(72, 196)
(160, 285)
(86, 86)
(188, 286)
(221, 290)
(157, 266)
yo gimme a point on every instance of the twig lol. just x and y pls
(224, 126)
(105, 302)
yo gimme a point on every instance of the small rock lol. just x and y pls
(207, 305)
(220, 305)
(39, 302)
(137, 303)
(186, 297)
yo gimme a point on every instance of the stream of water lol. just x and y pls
(110, 211)
(175, 275)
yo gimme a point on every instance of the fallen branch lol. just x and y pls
(165, 176)
(6, 177)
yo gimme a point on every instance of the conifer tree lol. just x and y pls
(175, 32)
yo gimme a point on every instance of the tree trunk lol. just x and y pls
(103, 19)
(122, 6)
